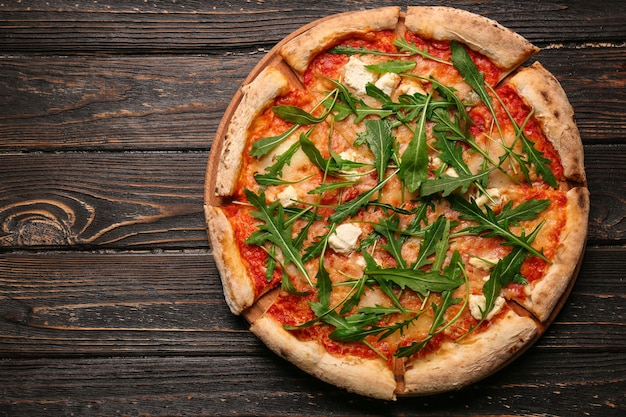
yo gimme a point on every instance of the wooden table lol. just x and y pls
(110, 303)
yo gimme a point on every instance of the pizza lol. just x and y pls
(396, 201)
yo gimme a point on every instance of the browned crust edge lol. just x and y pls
(555, 114)
(237, 284)
(369, 377)
(507, 49)
(268, 85)
(456, 365)
(299, 52)
(547, 292)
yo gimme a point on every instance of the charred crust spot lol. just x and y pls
(581, 200)
(557, 114)
(546, 96)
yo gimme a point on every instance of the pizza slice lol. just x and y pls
(504, 48)
(241, 266)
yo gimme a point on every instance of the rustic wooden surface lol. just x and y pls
(110, 303)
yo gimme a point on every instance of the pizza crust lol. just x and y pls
(549, 290)
(268, 85)
(237, 284)
(456, 365)
(505, 48)
(301, 50)
(555, 114)
(369, 377)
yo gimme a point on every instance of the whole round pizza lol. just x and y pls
(396, 202)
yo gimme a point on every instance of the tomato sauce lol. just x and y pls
(532, 130)
(441, 50)
(329, 65)
(253, 256)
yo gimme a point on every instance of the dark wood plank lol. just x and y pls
(571, 384)
(122, 27)
(147, 200)
(115, 103)
(119, 200)
(147, 103)
(607, 222)
(102, 304)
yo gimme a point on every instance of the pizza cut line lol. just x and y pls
(395, 203)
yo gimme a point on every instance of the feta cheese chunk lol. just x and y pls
(484, 264)
(411, 87)
(492, 196)
(356, 76)
(478, 303)
(388, 82)
(344, 239)
(451, 172)
(288, 196)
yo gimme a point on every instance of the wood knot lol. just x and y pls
(37, 223)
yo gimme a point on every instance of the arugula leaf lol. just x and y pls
(463, 62)
(409, 107)
(283, 159)
(386, 227)
(355, 299)
(277, 232)
(271, 264)
(505, 272)
(527, 210)
(541, 164)
(438, 320)
(378, 95)
(534, 156)
(323, 284)
(411, 48)
(380, 140)
(492, 224)
(414, 161)
(330, 186)
(347, 104)
(385, 286)
(297, 115)
(264, 145)
(315, 156)
(395, 66)
(345, 210)
(418, 280)
(447, 184)
(436, 232)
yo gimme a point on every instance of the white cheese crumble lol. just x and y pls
(410, 88)
(388, 82)
(478, 303)
(435, 161)
(356, 76)
(492, 197)
(484, 264)
(288, 196)
(451, 172)
(344, 239)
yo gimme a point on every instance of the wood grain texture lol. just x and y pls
(110, 302)
(158, 26)
(203, 386)
(137, 303)
(146, 200)
(147, 103)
